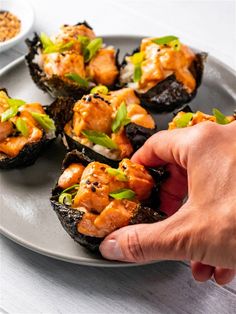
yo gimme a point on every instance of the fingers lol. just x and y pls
(202, 272)
(164, 147)
(168, 239)
(223, 275)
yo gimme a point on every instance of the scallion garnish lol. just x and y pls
(100, 89)
(137, 60)
(22, 127)
(120, 175)
(170, 40)
(44, 120)
(11, 112)
(67, 198)
(220, 117)
(123, 194)
(120, 118)
(92, 48)
(182, 122)
(100, 139)
(77, 79)
(50, 47)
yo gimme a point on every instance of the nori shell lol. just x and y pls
(61, 110)
(28, 154)
(69, 217)
(170, 94)
(54, 85)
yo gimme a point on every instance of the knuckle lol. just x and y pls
(133, 249)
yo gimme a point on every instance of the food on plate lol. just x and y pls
(71, 62)
(10, 26)
(92, 199)
(185, 119)
(112, 124)
(164, 72)
(25, 129)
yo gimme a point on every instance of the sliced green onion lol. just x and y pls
(99, 138)
(220, 117)
(12, 111)
(22, 127)
(92, 48)
(123, 194)
(77, 79)
(175, 44)
(120, 175)
(183, 121)
(45, 40)
(137, 73)
(73, 187)
(137, 58)
(65, 198)
(165, 40)
(44, 120)
(84, 40)
(58, 47)
(100, 89)
(120, 118)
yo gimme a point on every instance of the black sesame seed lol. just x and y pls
(95, 183)
(124, 167)
(93, 189)
(88, 98)
(18, 114)
(88, 182)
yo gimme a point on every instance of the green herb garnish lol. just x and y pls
(137, 60)
(77, 79)
(100, 89)
(183, 121)
(92, 48)
(11, 112)
(65, 197)
(50, 47)
(100, 139)
(120, 175)
(123, 194)
(164, 40)
(120, 118)
(44, 120)
(220, 117)
(22, 127)
(84, 40)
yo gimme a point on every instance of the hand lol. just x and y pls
(202, 161)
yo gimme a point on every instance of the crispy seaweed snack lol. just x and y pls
(186, 118)
(109, 124)
(164, 72)
(25, 129)
(71, 62)
(93, 199)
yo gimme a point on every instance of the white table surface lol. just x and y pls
(31, 283)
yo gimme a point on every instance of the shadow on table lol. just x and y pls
(165, 286)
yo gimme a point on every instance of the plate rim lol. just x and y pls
(83, 260)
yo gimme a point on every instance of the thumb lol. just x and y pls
(168, 239)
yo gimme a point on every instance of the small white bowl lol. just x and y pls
(25, 14)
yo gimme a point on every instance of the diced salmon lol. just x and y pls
(102, 68)
(71, 175)
(61, 64)
(91, 113)
(139, 180)
(3, 101)
(32, 107)
(95, 186)
(86, 226)
(6, 129)
(139, 115)
(72, 32)
(123, 143)
(125, 94)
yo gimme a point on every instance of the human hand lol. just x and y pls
(202, 161)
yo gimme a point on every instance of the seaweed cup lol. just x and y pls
(72, 62)
(165, 73)
(25, 131)
(109, 126)
(113, 210)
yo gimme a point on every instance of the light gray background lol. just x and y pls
(31, 283)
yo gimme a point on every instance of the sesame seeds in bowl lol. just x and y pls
(16, 20)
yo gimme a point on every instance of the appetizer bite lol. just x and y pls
(93, 199)
(164, 72)
(109, 124)
(71, 62)
(25, 129)
(185, 119)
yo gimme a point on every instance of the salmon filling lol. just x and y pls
(108, 197)
(100, 69)
(97, 113)
(12, 140)
(183, 119)
(158, 62)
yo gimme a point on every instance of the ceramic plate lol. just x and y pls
(26, 215)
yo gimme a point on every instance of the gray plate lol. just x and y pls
(26, 215)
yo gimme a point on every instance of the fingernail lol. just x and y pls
(110, 249)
